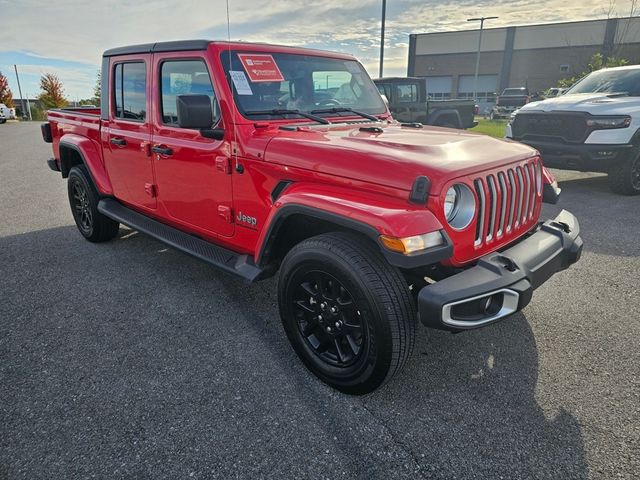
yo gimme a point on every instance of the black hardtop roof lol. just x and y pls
(176, 46)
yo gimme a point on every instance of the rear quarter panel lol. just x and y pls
(81, 131)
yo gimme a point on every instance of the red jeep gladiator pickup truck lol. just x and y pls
(243, 156)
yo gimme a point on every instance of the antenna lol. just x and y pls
(234, 144)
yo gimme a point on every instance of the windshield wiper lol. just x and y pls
(346, 109)
(283, 112)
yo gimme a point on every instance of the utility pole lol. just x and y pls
(28, 106)
(384, 14)
(15, 67)
(475, 81)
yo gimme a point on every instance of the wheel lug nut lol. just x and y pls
(323, 306)
(337, 324)
(329, 329)
(334, 309)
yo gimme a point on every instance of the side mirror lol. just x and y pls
(196, 111)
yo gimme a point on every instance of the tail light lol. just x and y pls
(498, 100)
(528, 99)
(476, 109)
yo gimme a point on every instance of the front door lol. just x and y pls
(127, 134)
(193, 172)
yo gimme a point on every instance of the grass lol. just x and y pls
(493, 128)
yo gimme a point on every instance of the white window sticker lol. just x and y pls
(240, 82)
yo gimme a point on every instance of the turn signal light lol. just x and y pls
(413, 244)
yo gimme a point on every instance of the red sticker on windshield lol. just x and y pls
(261, 68)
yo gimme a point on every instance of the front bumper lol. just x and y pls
(501, 283)
(582, 157)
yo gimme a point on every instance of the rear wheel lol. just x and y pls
(347, 312)
(83, 199)
(624, 178)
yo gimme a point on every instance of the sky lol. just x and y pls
(67, 37)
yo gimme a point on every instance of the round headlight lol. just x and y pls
(459, 206)
(450, 203)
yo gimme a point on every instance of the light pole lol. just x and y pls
(475, 80)
(15, 67)
(384, 14)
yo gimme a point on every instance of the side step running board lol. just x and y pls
(231, 262)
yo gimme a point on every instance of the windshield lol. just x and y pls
(609, 81)
(263, 83)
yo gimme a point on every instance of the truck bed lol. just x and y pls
(84, 122)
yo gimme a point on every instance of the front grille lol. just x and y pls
(568, 127)
(506, 201)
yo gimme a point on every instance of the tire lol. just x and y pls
(370, 335)
(2, 120)
(83, 200)
(624, 178)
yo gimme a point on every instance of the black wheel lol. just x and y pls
(624, 178)
(2, 120)
(83, 199)
(348, 314)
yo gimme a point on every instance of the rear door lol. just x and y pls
(127, 134)
(194, 173)
(408, 108)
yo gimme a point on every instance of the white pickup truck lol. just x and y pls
(594, 126)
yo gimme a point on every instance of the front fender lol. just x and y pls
(367, 213)
(92, 158)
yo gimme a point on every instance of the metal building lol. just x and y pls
(535, 56)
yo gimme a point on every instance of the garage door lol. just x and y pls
(439, 87)
(487, 86)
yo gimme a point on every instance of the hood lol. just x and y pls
(593, 103)
(395, 156)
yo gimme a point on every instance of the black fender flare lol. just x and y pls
(445, 112)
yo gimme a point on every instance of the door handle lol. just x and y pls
(162, 150)
(121, 142)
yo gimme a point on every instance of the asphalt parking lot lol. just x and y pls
(131, 360)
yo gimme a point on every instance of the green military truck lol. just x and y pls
(409, 102)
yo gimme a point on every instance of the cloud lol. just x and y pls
(78, 31)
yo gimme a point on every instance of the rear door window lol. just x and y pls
(130, 91)
(407, 93)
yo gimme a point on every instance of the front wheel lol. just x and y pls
(348, 314)
(624, 178)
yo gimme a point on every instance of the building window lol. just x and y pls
(564, 68)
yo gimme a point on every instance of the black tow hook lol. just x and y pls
(507, 263)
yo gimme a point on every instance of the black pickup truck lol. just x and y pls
(410, 103)
(510, 101)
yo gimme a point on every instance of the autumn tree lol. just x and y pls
(6, 96)
(52, 95)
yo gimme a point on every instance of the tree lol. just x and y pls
(52, 95)
(597, 62)
(97, 89)
(6, 96)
